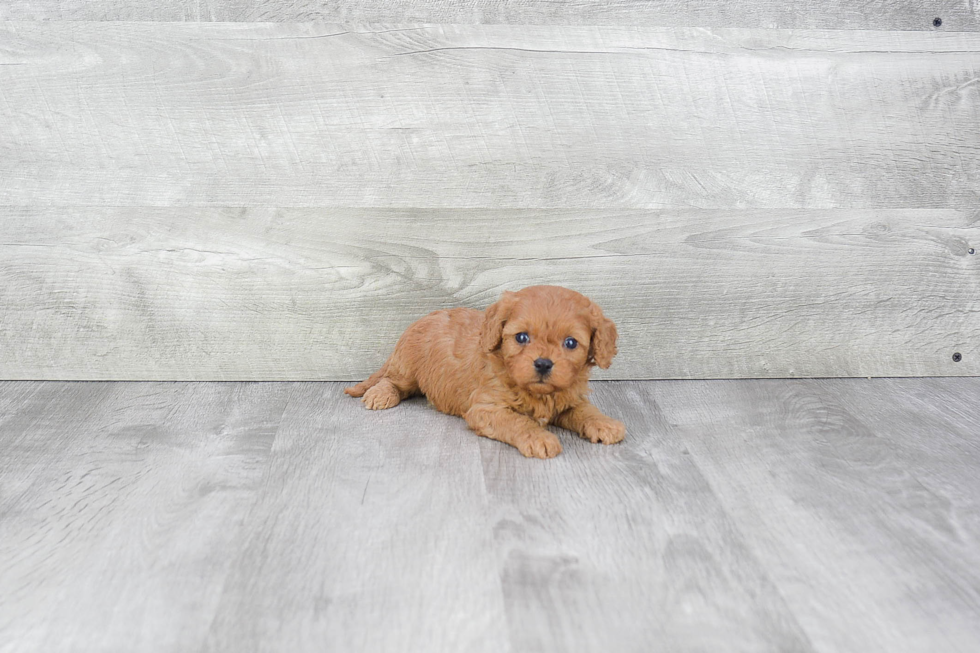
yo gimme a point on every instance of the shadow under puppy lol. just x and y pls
(509, 370)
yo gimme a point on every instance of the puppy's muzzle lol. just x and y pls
(543, 366)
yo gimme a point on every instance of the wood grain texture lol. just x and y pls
(842, 486)
(121, 507)
(259, 114)
(834, 14)
(371, 535)
(627, 548)
(834, 516)
(306, 294)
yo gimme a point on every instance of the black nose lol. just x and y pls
(543, 365)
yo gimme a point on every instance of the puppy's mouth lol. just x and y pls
(541, 387)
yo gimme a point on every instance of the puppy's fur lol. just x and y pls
(469, 363)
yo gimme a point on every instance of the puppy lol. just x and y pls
(509, 370)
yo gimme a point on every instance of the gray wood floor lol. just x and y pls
(769, 515)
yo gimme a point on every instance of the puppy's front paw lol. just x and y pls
(606, 431)
(540, 444)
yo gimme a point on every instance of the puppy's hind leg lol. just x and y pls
(385, 388)
(384, 394)
(362, 387)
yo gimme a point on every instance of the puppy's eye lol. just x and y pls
(522, 338)
(571, 343)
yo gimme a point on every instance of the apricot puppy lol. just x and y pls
(509, 370)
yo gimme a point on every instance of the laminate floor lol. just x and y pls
(773, 515)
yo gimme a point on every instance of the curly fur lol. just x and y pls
(468, 363)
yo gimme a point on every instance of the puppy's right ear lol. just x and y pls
(493, 321)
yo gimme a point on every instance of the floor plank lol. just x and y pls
(371, 535)
(626, 548)
(121, 507)
(829, 495)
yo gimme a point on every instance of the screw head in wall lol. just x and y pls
(937, 22)
(957, 357)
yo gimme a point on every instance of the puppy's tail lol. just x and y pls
(362, 387)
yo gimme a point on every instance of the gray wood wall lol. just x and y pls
(749, 188)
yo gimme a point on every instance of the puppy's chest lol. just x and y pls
(541, 409)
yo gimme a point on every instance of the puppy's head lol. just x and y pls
(548, 337)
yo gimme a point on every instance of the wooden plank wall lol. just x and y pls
(750, 189)
(765, 14)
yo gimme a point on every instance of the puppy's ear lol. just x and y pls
(603, 345)
(493, 321)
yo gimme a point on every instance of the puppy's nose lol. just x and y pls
(543, 365)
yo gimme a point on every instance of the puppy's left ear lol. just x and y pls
(493, 321)
(603, 345)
